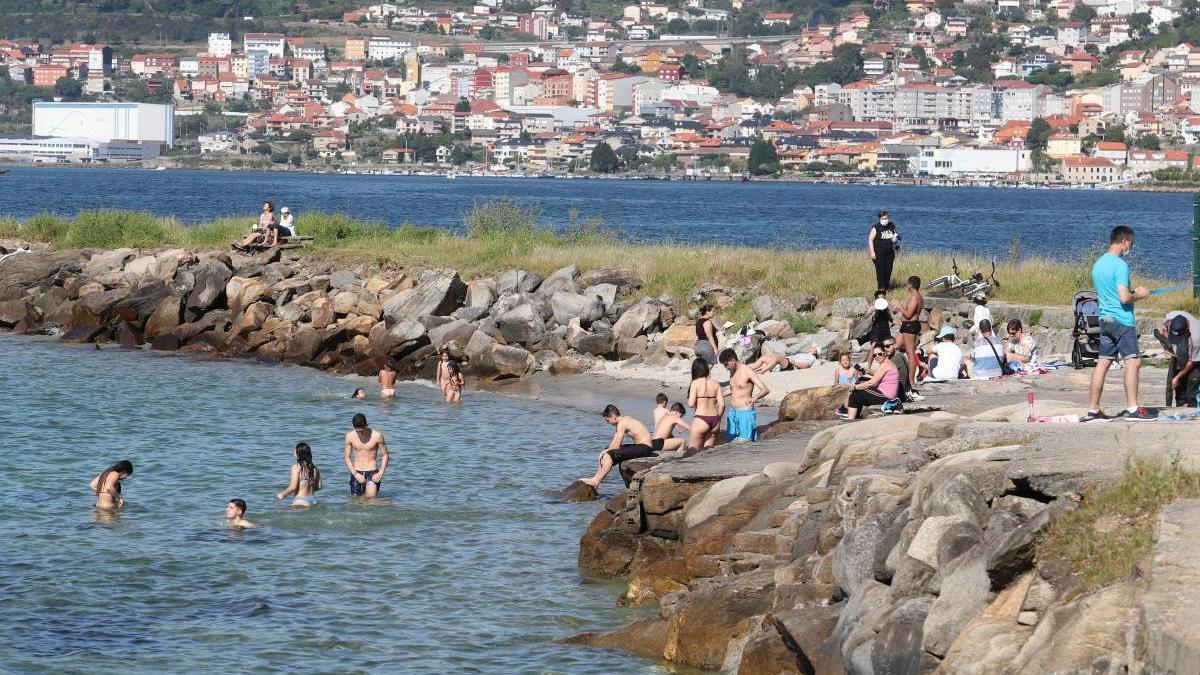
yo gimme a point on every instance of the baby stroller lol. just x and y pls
(1085, 335)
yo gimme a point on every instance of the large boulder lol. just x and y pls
(770, 307)
(107, 261)
(342, 278)
(19, 272)
(522, 325)
(598, 344)
(137, 307)
(567, 305)
(251, 319)
(12, 312)
(578, 491)
(680, 339)
(638, 319)
(166, 315)
(850, 307)
(438, 293)
(386, 340)
(241, 292)
(625, 280)
(560, 280)
(517, 281)
(452, 337)
(209, 289)
(511, 361)
(814, 403)
(304, 345)
(480, 293)
(605, 293)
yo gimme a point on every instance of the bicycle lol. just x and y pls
(955, 286)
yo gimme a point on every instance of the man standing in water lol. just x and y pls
(387, 381)
(745, 389)
(363, 449)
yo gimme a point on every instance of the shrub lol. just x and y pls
(502, 219)
(114, 229)
(802, 324)
(44, 227)
(327, 228)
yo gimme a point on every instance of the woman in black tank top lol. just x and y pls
(882, 244)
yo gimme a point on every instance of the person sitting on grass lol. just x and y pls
(768, 363)
(880, 388)
(642, 446)
(1022, 351)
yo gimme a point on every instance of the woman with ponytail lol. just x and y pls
(306, 478)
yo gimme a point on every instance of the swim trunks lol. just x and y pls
(742, 423)
(387, 393)
(911, 327)
(633, 451)
(358, 489)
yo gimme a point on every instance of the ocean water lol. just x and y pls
(985, 221)
(462, 565)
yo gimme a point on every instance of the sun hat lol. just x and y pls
(946, 330)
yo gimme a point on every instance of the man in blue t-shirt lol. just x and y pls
(1118, 330)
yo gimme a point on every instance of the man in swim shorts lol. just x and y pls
(664, 428)
(745, 389)
(387, 381)
(615, 453)
(364, 447)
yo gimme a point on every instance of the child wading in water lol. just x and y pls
(306, 478)
(454, 383)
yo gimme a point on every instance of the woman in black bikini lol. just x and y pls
(704, 398)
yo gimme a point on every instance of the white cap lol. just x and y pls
(284, 210)
(881, 304)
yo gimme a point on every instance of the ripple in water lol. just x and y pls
(461, 566)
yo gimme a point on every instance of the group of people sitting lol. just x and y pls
(266, 233)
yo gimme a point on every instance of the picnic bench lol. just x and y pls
(285, 244)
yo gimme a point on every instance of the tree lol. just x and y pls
(463, 105)
(1115, 133)
(454, 53)
(1084, 13)
(677, 27)
(603, 160)
(1038, 134)
(763, 158)
(68, 88)
(460, 155)
(1148, 142)
(1139, 25)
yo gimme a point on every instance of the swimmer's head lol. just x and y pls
(359, 421)
(661, 399)
(124, 468)
(236, 508)
(359, 393)
(677, 408)
(611, 414)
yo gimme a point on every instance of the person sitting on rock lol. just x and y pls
(660, 408)
(1021, 352)
(882, 387)
(768, 363)
(258, 234)
(615, 453)
(844, 373)
(664, 429)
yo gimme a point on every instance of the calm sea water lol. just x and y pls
(461, 566)
(976, 220)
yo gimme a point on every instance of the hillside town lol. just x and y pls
(1097, 93)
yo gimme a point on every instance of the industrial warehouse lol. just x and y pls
(93, 133)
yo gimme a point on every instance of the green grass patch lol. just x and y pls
(1035, 317)
(504, 235)
(802, 323)
(1104, 538)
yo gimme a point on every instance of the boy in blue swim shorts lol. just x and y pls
(745, 389)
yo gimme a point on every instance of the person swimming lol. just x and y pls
(305, 480)
(359, 393)
(235, 515)
(107, 485)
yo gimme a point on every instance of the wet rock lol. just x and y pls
(438, 292)
(99, 307)
(624, 280)
(209, 288)
(521, 325)
(137, 307)
(814, 403)
(578, 491)
(517, 281)
(569, 305)
(850, 307)
(82, 334)
(511, 361)
(166, 316)
(129, 335)
(645, 637)
(166, 343)
(637, 320)
(12, 312)
(479, 353)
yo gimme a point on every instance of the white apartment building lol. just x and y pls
(219, 44)
(272, 43)
(972, 161)
(383, 47)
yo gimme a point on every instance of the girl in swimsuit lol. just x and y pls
(107, 485)
(442, 378)
(306, 478)
(844, 373)
(704, 397)
(454, 383)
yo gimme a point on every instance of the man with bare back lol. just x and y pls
(387, 381)
(363, 449)
(615, 453)
(664, 428)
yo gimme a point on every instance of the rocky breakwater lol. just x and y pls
(893, 545)
(300, 310)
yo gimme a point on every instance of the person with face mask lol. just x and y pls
(882, 244)
(1118, 329)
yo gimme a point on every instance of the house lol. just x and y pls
(777, 18)
(1083, 170)
(328, 142)
(1146, 161)
(1063, 144)
(398, 156)
(1110, 150)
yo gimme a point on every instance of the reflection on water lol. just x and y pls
(459, 565)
